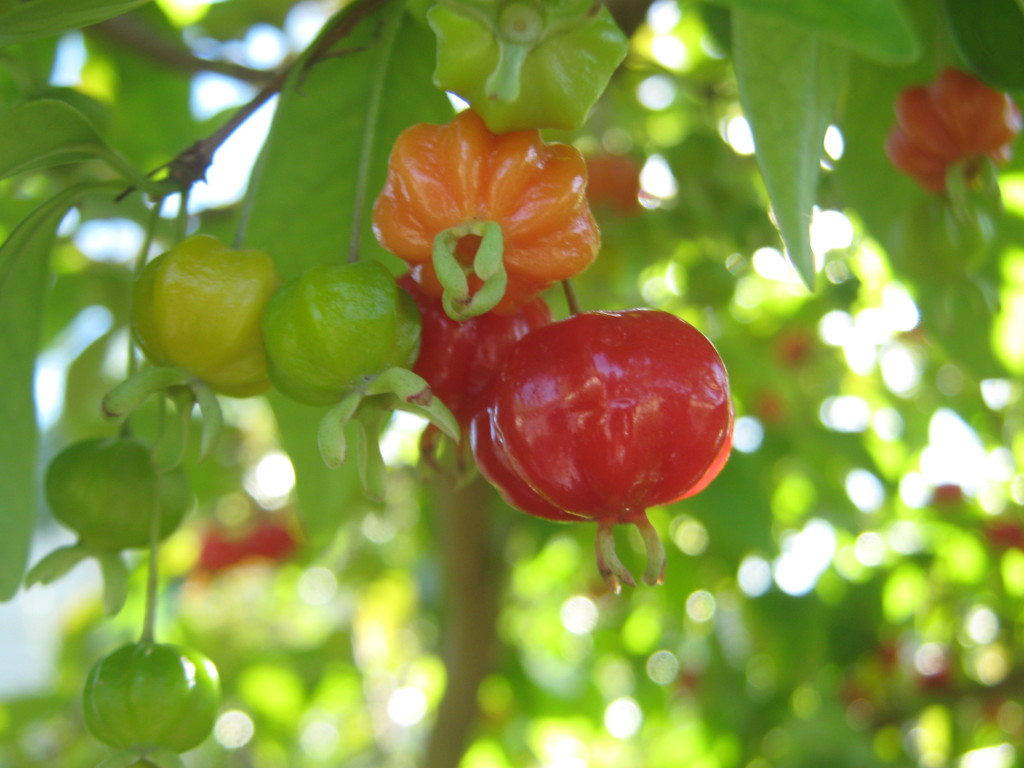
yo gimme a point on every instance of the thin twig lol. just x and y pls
(130, 32)
(190, 165)
(153, 573)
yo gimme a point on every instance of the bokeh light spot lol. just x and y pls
(579, 615)
(234, 729)
(662, 667)
(623, 718)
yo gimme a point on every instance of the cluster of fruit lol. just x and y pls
(596, 417)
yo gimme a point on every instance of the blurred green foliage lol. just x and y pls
(848, 591)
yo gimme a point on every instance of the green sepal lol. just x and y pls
(413, 394)
(988, 179)
(957, 193)
(213, 417)
(448, 269)
(489, 260)
(131, 393)
(655, 573)
(368, 406)
(56, 564)
(488, 266)
(331, 434)
(115, 581)
(369, 420)
(614, 573)
(169, 448)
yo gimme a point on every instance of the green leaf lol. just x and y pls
(41, 18)
(304, 191)
(989, 35)
(866, 180)
(788, 82)
(958, 317)
(24, 279)
(48, 132)
(152, 120)
(877, 29)
(304, 188)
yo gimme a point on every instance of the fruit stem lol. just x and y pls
(571, 300)
(153, 575)
(503, 84)
(611, 568)
(181, 222)
(519, 29)
(655, 573)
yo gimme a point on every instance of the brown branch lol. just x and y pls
(190, 165)
(473, 576)
(134, 34)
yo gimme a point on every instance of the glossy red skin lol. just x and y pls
(459, 360)
(955, 118)
(608, 413)
(493, 465)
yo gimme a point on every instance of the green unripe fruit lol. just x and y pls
(105, 490)
(335, 327)
(147, 695)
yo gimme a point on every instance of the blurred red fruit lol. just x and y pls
(613, 181)
(947, 495)
(269, 540)
(1005, 535)
(956, 118)
(794, 347)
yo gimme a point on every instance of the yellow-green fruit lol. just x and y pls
(200, 306)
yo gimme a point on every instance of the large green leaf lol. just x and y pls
(48, 132)
(877, 29)
(40, 18)
(788, 81)
(989, 35)
(24, 279)
(152, 120)
(306, 186)
(865, 178)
